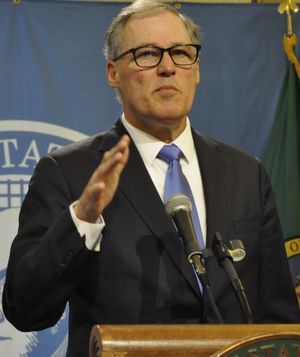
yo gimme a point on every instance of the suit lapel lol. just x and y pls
(137, 186)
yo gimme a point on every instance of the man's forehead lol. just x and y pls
(150, 14)
(153, 28)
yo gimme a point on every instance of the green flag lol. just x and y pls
(282, 162)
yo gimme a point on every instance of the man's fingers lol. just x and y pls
(103, 183)
(117, 155)
(121, 147)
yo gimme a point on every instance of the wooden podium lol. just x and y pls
(189, 340)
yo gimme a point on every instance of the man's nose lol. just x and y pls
(166, 65)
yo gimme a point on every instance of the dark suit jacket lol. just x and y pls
(141, 274)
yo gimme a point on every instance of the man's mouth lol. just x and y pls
(166, 88)
(166, 91)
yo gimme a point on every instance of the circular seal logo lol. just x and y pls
(22, 144)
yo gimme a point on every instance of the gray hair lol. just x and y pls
(142, 8)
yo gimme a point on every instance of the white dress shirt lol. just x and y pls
(148, 147)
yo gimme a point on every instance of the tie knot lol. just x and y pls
(169, 153)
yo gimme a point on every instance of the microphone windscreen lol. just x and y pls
(178, 202)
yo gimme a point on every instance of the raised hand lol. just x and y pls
(103, 184)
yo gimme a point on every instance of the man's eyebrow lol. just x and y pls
(149, 44)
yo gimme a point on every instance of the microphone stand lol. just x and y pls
(179, 208)
(196, 260)
(225, 259)
(184, 224)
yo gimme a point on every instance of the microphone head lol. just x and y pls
(178, 202)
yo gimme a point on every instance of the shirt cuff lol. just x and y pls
(91, 231)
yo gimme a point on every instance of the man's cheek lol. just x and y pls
(140, 78)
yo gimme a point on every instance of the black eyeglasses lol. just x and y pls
(151, 56)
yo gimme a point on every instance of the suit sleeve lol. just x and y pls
(47, 256)
(277, 296)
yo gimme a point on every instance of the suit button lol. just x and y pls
(61, 269)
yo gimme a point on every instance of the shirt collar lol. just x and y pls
(150, 146)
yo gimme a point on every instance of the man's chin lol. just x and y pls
(170, 112)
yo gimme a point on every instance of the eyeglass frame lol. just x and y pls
(162, 51)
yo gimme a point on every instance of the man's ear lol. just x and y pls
(198, 72)
(112, 74)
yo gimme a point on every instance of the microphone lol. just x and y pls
(179, 208)
(225, 258)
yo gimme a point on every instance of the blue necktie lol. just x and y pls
(176, 182)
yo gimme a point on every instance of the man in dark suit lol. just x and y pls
(93, 227)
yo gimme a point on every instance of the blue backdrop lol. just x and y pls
(53, 91)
